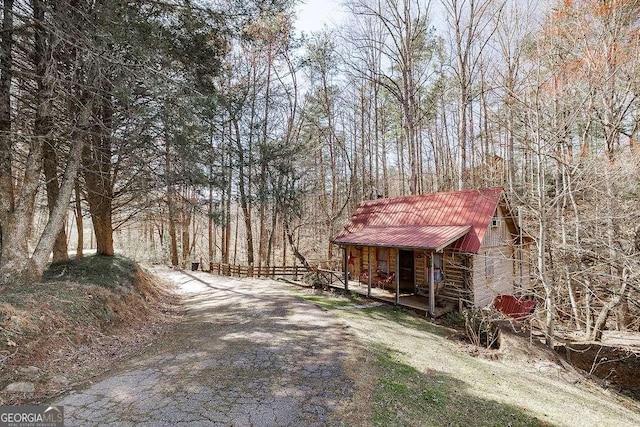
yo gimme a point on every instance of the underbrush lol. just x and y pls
(83, 311)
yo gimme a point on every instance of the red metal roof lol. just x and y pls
(381, 220)
(435, 237)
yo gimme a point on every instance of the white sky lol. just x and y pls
(313, 15)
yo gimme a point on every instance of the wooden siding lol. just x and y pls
(498, 233)
(492, 272)
(453, 269)
(457, 276)
(421, 269)
(493, 275)
(494, 267)
(363, 260)
(393, 260)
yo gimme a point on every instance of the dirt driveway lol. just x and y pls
(248, 353)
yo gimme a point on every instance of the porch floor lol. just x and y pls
(412, 301)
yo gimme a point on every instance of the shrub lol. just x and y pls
(481, 327)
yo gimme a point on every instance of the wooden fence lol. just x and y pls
(329, 277)
(272, 271)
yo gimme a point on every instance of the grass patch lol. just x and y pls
(328, 301)
(402, 395)
(405, 396)
(81, 291)
(111, 272)
(406, 318)
(398, 315)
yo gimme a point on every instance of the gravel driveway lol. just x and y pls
(248, 353)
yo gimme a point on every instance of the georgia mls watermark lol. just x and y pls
(31, 416)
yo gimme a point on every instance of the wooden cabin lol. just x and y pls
(462, 246)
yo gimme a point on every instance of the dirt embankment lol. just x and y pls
(617, 367)
(84, 316)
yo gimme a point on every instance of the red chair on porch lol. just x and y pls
(387, 281)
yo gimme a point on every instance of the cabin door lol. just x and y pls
(406, 271)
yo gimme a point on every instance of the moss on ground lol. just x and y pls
(116, 273)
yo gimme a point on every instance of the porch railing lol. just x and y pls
(329, 277)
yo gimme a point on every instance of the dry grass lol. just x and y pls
(78, 321)
(423, 375)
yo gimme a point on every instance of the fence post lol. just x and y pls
(295, 269)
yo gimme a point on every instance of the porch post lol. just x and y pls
(345, 263)
(397, 276)
(369, 272)
(432, 288)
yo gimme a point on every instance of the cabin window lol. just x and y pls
(382, 258)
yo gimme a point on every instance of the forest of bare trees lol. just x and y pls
(213, 131)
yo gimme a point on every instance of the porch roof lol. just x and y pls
(433, 237)
(416, 213)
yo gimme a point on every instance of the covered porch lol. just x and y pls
(412, 301)
(402, 265)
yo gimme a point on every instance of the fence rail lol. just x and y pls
(220, 269)
(329, 277)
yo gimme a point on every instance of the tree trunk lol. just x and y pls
(15, 264)
(60, 250)
(186, 223)
(13, 248)
(79, 223)
(243, 196)
(264, 159)
(173, 246)
(272, 232)
(210, 224)
(103, 229)
(227, 213)
(7, 196)
(43, 122)
(609, 306)
(294, 247)
(172, 226)
(548, 285)
(98, 175)
(617, 273)
(61, 207)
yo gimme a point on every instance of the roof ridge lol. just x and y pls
(443, 193)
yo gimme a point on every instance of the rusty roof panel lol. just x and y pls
(474, 208)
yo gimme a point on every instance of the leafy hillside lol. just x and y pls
(58, 332)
